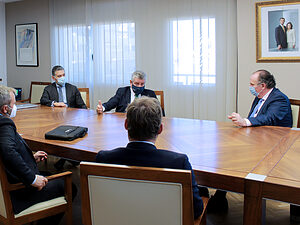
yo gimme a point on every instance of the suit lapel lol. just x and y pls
(255, 101)
(55, 92)
(128, 95)
(68, 93)
(267, 102)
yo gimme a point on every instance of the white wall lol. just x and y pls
(287, 75)
(2, 45)
(28, 11)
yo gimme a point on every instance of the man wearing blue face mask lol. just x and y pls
(270, 107)
(60, 93)
(126, 95)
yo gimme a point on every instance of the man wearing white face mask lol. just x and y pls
(270, 107)
(21, 164)
(60, 93)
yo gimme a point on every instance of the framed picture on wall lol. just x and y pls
(278, 31)
(26, 44)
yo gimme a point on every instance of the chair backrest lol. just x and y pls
(295, 104)
(36, 91)
(85, 94)
(116, 194)
(160, 97)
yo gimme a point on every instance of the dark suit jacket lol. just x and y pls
(122, 99)
(20, 166)
(276, 111)
(144, 154)
(74, 99)
(280, 36)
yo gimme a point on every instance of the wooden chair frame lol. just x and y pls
(162, 101)
(10, 216)
(87, 90)
(140, 173)
(296, 102)
(30, 93)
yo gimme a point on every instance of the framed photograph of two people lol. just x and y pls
(278, 31)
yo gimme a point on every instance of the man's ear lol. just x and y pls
(53, 78)
(263, 85)
(161, 127)
(126, 124)
(4, 109)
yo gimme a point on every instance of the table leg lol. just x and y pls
(253, 202)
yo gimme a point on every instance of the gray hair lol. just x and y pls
(56, 68)
(5, 98)
(138, 74)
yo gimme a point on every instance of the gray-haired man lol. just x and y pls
(126, 95)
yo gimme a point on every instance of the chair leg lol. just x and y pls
(68, 216)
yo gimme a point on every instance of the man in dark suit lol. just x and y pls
(21, 164)
(143, 123)
(280, 35)
(126, 95)
(60, 93)
(270, 107)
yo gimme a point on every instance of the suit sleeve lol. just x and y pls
(197, 200)
(114, 101)
(79, 101)
(11, 158)
(277, 36)
(276, 111)
(45, 99)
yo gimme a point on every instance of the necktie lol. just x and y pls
(256, 107)
(60, 94)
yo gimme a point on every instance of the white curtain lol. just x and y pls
(187, 48)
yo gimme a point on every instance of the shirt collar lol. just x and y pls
(267, 95)
(147, 142)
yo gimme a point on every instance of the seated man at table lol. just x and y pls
(126, 95)
(21, 164)
(143, 123)
(270, 108)
(60, 93)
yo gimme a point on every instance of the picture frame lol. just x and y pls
(276, 42)
(26, 36)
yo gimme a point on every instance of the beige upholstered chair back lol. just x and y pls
(295, 104)
(127, 195)
(36, 91)
(85, 94)
(160, 97)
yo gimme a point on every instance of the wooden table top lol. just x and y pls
(221, 154)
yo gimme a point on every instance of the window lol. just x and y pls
(116, 51)
(194, 51)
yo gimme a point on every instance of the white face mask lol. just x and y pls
(13, 111)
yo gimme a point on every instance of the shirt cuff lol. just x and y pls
(103, 108)
(34, 179)
(248, 123)
(52, 103)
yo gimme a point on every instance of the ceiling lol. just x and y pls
(6, 1)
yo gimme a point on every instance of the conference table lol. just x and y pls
(259, 162)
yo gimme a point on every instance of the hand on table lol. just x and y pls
(237, 119)
(99, 108)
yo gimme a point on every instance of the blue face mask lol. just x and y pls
(61, 81)
(253, 91)
(137, 90)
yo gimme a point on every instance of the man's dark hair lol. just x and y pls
(267, 78)
(56, 68)
(281, 18)
(144, 117)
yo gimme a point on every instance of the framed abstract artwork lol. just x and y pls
(27, 44)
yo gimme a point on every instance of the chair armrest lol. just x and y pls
(202, 218)
(13, 187)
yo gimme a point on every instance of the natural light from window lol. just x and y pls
(194, 51)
